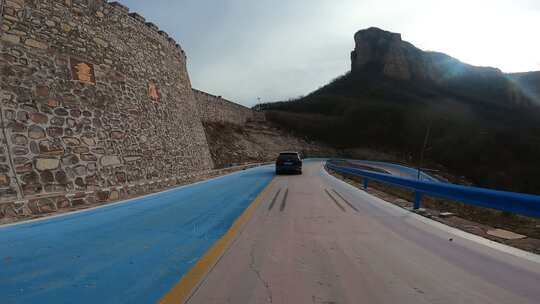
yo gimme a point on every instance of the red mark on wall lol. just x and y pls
(153, 92)
(82, 71)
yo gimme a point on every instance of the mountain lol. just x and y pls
(386, 54)
(484, 124)
(529, 82)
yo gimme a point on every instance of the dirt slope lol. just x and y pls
(256, 141)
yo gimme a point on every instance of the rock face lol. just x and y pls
(393, 57)
(385, 53)
(384, 49)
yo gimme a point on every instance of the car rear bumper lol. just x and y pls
(293, 168)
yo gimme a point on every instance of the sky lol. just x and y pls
(270, 50)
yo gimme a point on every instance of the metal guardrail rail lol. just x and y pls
(2, 8)
(519, 203)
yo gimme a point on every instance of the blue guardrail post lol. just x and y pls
(519, 203)
(417, 200)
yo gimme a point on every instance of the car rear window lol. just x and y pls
(284, 156)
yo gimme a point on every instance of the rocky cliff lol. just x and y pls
(385, 53)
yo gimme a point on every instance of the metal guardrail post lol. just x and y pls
(519, 203)
(366, 181)
(417, 200)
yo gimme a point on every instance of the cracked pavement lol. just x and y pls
(258, 273)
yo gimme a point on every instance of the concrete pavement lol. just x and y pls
(315, 239)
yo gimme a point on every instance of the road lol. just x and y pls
(131, 252)
(398, 170)
(306, 244)
(310, 239)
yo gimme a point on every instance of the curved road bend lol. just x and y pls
(398, 170)
(315, 239)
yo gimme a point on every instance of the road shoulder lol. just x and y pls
(525, 246)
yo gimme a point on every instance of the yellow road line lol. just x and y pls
(182, 290)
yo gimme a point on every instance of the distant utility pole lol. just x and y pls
(424, 147)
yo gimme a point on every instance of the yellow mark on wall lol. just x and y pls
(82, 71)
(183, 289)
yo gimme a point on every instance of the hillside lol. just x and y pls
(254, 142)
(238, 135)
(484, 123)
(529, 82)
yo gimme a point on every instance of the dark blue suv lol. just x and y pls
(289, 162)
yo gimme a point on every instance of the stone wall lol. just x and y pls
(217, 109)
(92, 98)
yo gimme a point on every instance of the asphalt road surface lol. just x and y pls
(398, 170)
(315, 239)
(310, 239)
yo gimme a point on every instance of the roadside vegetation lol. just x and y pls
(491, 142)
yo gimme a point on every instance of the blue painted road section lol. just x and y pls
(132, 252)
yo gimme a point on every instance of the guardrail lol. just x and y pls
(525, 204)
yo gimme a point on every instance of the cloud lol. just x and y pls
(275, 50)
